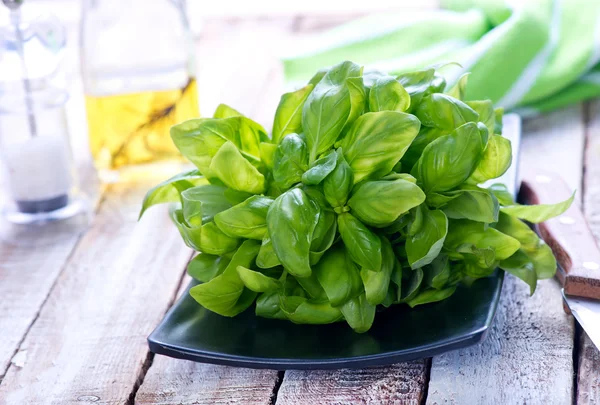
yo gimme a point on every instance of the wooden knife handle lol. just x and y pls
(568, 235)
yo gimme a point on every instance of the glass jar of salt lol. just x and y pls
(38, 173)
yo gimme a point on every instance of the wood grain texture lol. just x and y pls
(173, 381)
(555, 142)
(526, 358)
(528, 354)
(30, 261)
(182, 382)
(402, 383)
(588, 376)
(31, 258)
(588, 373)
(88, 344)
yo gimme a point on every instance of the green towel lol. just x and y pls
(533, 56)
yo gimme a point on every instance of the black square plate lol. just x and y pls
(191, 332)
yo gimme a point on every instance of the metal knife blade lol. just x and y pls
(573, 244)
(587, 313)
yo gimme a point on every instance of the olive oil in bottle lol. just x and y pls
(133, 129)
(138, 68)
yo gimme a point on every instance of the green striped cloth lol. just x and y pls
(533, 56)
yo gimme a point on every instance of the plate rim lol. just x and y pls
(376, 359)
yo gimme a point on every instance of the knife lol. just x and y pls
(568, 235)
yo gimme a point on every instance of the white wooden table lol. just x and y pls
(75, 311)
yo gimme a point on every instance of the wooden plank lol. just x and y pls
(181, 382)
(88, 344)
(588, 373)
(555, 142)
(402, 383)
(528, 354)
(30, 260)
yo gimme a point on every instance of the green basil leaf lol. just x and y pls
(210, 198)
(267, 153)
(540, 256)
(376, 142)
(371, 76)
(205, 267)
(380, 203)
(538, 213)
(225, 111)
(412, 285)
(449, 160)
(462, 231)
(437, 273)
(437, 200)
(361, 243)
(502, 194)
(290, 161)
(431, 295)
(246, 220)
(169, 190)
(438, 84)
(236, 197)
(484, 258)
(312, 287)
(485, 110)
(199, 140)
(519, 230)
(338, 184)
(235, 171)
(416, 84)
(459, 90)
(338, 276)
(496, 160)
(257, 281)
(474, 203)
(426, 243)
(327, 108)
(358, 100)
(520, 265)
(415, 150)
(498, 114)
(225, 294)
(318, 76)
(213, 241)
(359, 313)
(267, 306)
(288, 117)
(267, 258)
(192, 211)
(190, 235)
(377, 283)
(305, 311)
(291, 221)
(441, 111)
(323, 235)
(387, 94)
(320, 169)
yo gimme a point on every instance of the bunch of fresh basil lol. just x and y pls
(366, 194)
